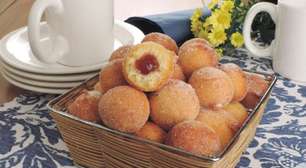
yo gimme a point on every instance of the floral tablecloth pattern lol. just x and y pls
(29, 137)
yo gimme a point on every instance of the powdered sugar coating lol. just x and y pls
(178, 73)
(213, 87)
(196, 56)
(175, 102)
(112, 76)
(124, 108)
(194, 137)
(194, 40)
(257, 84)
(121, 52)
(163, 40)
(85, 106)
(153, 132)
(238, 78)
(238, 111)
(221, 122)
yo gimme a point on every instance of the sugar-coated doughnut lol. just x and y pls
(121, 52)
(238, 111)
(194, 40)
(178, 73)
(257, 86)
(174, 103)
(239, 80)
(195, 137)
(124, 108)
(148, 66)
(195, 56)
(85, 106)
(213, 87)
(152, 132)
(112, 76)
(221, 122)
(163, 40)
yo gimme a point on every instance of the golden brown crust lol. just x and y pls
(213, 87)
(174, 103)
(156, 79)
(121, 52)
(153, 132)
(85, 106)
(239, 80)
(124, 108)
(238, 111)
(163, 40)
(257, 84)
(195, 56)
(221, 122)
(195, 137)
(178, 73)
(194, 40)
(111, 76)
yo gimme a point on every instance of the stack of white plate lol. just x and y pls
(22, 69)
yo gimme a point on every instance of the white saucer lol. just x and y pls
(61, 85)
(49, 78)
(35, 88)
(15, 50)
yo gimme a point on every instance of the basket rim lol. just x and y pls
(271, 77)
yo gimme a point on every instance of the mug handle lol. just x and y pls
(34, 19)
(255, 9)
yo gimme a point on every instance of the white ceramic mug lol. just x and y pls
(288, 50)
(81, 31)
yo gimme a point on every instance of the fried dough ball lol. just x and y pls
(257, 86)
(195, 137)
(85, 106)
(213, 87)
(239, 80)
(178, 73)
(221, 122)
(121, 52)
(111, 76)
(195, 56)
(124, 108)
(163, 40)
(195, 40)
(148, 66)
(152, 132)
(238, 111)
(175, 102)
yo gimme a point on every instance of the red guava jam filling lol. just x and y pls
(146, 64)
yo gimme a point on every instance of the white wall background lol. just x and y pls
(127, 8)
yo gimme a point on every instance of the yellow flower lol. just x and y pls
(237, 40)
(212, 4)
(227, 6)
(217, 36)
(221, 19)
(195, 21)
(203, 34)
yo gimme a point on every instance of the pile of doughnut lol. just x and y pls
(179, 96)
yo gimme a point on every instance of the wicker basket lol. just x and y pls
(93, 145)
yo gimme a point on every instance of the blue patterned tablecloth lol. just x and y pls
(29, 138)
